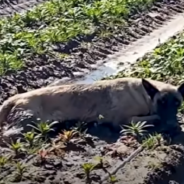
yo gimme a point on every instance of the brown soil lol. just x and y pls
(85, 54)
(63, 164)
(161, 165)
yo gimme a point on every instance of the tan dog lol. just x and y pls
(119, 101)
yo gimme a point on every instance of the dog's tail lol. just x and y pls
(5, 110)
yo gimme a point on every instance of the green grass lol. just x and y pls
(165, 63)
(26, 36)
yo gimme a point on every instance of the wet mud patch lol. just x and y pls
(87, 54)
(91, 158)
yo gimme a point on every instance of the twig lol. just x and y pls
(128, 159)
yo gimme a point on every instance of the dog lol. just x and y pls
(119, 101)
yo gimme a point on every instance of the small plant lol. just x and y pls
(43, 128)
(88, 168)
(152, 141)
(80, 128)
(3, 161)
(112, 179)
(20, 170)
(57, 149)
(101, 165)
(100, 161)
(43, 155)
(17, 146)
(29, 137)
(66, 136)
(135, 129)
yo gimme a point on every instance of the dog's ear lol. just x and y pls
(181, 89)
(150, 89)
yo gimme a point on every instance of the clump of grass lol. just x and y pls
(152, 141)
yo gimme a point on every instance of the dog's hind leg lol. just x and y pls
(20, 118)
(17, 124)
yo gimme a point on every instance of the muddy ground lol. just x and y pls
(9, 7)
(160, 165)
(85, 54)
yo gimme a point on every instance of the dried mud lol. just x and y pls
(163, 165)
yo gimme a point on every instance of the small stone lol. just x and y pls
(57, 163)
(81, 142)
(69, 164)
(48, 167)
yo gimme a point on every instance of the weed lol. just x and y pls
(88, 168)
(3, 161)
(16, 146)
(112, 179)
(66, 136)
(135, 129)
(20, 170)
(43, 155)
(43, 128)
(152, 141)
(29, 137)
(100, 164)
(81, 128)
(57, 149)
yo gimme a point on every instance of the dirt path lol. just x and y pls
(129, 55)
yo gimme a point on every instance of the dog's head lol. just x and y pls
(166, 102)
